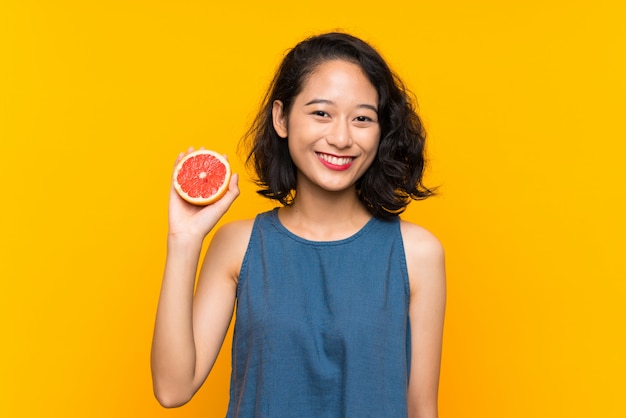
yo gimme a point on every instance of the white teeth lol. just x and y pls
(335, 160)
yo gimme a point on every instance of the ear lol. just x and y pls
(279, 119)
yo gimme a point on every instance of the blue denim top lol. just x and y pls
(322, 327)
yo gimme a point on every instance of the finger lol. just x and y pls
(180, 156)
(234, 182)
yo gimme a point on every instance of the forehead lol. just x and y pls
(339, 78)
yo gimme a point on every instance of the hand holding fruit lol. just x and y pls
(202, 178)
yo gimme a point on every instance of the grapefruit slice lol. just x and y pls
(202, 177)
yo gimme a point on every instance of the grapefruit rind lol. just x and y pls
(185, 166)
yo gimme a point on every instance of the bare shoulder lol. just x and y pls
(424, 256)
(420, 242)
(229, 244)
(234, 233)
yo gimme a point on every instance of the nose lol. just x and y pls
(340, 135)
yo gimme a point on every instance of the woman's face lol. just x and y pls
(332, 127)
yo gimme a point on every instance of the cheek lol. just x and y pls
(370, 140)
(301, 129)
(370, 146)
(375, 145)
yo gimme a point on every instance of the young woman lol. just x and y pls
(339, 303)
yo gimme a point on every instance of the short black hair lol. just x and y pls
(395, 176)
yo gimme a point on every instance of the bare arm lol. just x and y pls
(425, 261)
(183, 352)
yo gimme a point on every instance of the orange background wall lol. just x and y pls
(524, 104)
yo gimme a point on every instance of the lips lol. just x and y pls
(334, 162)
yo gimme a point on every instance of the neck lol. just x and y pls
(325, 216)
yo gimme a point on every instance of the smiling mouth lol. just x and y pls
(336, 161)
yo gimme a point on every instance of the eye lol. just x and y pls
(320, 113)
(364, 121)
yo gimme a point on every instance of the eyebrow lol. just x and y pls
(330, 102)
